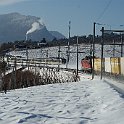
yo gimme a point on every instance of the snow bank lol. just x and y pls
(84, 102)
(116, 85)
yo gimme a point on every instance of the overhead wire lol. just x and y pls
(104, 10)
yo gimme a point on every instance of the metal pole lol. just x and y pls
(69, 28)
(68, 51)
(77, 55)
(35, 74)
(59, 57)
(46, 60)
(13, 79)
(93, 50)
(102, 43)
(113, 48)
(15, 73)
(27, 58)
(121, 45)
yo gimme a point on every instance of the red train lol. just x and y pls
(86, 64)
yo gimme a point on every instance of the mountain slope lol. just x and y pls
(57, 35)
(14, 26)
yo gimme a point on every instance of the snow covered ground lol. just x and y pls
(53, 52)
(85, 102)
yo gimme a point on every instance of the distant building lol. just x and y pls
(42, 43)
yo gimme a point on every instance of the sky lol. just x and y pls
(56, 14)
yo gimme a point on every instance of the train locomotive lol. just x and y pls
(86, 64)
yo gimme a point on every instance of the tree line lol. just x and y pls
(108, 38)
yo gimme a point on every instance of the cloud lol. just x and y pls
(8, 2)
(35, 26)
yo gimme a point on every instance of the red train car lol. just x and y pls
(86, 64)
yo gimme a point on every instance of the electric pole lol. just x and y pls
(93, 49)
(77, 55)
(102, 43)
(59, 58)
(27, 58)
(121, 45)
(113, 48)
(68, 51)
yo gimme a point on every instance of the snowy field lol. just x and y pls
(84, 102)
(85, 49)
